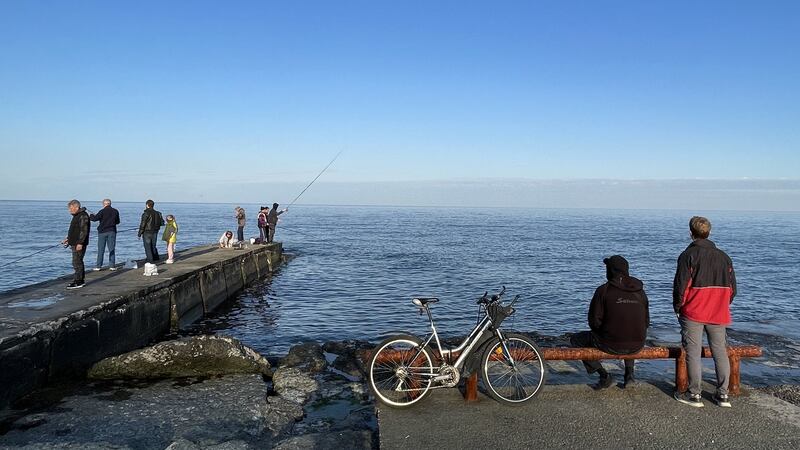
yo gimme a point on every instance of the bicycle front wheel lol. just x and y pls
(514, 373)
(401, 371)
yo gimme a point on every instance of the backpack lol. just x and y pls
(262, 220)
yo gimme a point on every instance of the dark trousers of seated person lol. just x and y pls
(586, 339)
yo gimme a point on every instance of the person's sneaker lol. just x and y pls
(169, 261)
(112, 268)
(603, 383)
(97, 269)
(722, 400)
(689, 399)
(75, 285)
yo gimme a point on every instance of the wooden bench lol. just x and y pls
(735, 354)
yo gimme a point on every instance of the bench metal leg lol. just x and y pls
(681, 373)
(471, 392)
(735, 379)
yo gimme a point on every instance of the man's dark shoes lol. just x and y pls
(75, 285)
(690, 399)
(630, 382)
(722, 400)
(604, 383)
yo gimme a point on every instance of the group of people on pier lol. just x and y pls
(703, 289)
(150, 225)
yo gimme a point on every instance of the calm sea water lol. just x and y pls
(356, 268)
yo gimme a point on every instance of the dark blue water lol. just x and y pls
(356, 268)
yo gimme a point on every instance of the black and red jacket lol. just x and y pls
(705, 284)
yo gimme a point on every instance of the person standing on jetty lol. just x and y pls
(170, 236)
(151, 222)
(77, 239)
(619, 315)
(263, 225)
(108, 219)
(272, 220)
(241, 221)
(702, 292)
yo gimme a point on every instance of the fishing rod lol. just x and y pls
(315, 178)
(48, 248)
(28, 256)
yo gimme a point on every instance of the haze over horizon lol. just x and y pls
(672, 105)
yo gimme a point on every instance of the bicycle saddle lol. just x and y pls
(422, 301)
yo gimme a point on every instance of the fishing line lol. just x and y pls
(291, 230)
(48, 248)
(315, 178)
(28, 256)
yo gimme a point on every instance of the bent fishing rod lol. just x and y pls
(315, 179)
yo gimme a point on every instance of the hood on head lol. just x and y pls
(617, 274)
(616, 266)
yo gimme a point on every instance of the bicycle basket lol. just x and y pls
(498, 313)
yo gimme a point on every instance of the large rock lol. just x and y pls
(307, 356)
(294, 384)
(198, 356)
(336, 439)
(230, 412)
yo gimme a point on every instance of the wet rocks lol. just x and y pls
(347, 356)
(307, 357)
(294, 384)
(198, 356)
(311, 404)
(230, 412)
(335, 439)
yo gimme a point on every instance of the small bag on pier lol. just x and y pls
(150, 269)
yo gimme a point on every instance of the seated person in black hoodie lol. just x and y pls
(618, 316)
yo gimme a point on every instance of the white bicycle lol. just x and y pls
(404, 368)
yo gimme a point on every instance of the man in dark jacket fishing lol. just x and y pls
(108, 219)
(148, 230)
(619, 315)
(272, 220)
(77, 239)
(703, 290)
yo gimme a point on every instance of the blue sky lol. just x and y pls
(214, 101)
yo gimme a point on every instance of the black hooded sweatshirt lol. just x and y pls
(619, 313)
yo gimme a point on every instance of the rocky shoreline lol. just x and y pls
(207, 392)
(212, 392)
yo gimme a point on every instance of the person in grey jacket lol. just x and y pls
(272, 220)
(241, 221)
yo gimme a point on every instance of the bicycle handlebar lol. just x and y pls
(485, 300)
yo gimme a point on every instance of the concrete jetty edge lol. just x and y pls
(48, 333)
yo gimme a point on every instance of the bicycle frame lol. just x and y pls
(468, 345)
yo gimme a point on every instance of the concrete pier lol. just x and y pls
(575, 416)
(48, 332)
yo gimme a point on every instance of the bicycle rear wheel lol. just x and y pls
(401, 371)
(517, 378)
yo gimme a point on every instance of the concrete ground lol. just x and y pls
(575, 416)
(49, 301)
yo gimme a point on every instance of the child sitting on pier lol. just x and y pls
(227, 240)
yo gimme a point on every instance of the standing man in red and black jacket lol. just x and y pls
(704, 287)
